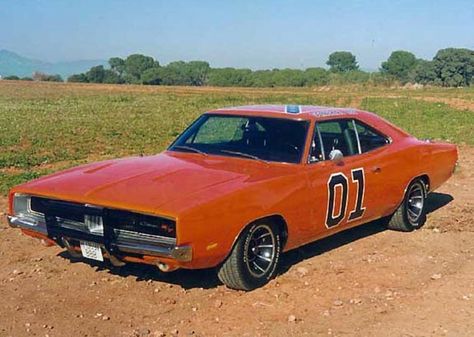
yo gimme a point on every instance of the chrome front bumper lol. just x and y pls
(27, 223)
(124, 241)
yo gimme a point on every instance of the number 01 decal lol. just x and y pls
(340, 181)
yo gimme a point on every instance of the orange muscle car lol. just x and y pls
(236, 189)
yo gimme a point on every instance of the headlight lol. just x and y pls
(21, 204)
(22, 209)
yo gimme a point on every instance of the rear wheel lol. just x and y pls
(254, 258)
(411, 214)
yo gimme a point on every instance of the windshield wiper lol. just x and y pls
(190, 148)
(245, 155)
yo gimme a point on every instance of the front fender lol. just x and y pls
(212, 228)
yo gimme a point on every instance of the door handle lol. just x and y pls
(376, 169)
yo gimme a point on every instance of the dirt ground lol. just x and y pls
(363, 282)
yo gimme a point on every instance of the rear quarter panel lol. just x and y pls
(407, 158)
(438, 160)
(416, 158)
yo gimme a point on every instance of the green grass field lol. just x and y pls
(45, 127)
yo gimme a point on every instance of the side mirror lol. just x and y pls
(336, 155)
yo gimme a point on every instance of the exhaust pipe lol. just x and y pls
(166, 268)
(163, 267)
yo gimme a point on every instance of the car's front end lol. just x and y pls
(96, 231)
(183, 208)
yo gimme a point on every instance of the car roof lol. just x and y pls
(290, 111)
(316, 113)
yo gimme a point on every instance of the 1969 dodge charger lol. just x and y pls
(237, 188)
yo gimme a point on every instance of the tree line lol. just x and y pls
(37, 76)
(450, 67)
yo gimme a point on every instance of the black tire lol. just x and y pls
(252, 262)
(411, 214)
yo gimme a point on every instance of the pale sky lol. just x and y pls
(256, 34)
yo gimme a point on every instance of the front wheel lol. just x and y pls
(411, 214)
(254, 258)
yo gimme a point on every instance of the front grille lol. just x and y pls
(141, 223)
(97, 220)
(139, 238)
(65, 210)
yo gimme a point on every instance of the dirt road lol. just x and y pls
(364, 282)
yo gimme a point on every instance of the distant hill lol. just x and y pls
(14, 64)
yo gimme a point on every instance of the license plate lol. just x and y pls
(91, 250)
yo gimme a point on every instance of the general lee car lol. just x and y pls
(236, 189)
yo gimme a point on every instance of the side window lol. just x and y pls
(338, 135)
(369, 138)
(331, 136)
(351, 136)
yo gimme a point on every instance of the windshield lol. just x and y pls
(259, 138)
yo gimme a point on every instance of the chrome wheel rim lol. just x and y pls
(260, 250)
(415, 203)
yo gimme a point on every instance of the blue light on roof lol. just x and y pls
(293, 109)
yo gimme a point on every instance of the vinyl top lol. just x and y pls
(289, 111)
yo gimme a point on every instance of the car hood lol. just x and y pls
(151, 183)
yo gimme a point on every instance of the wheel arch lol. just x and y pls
(398, 220)
(426, 180)
(280, 222)
(275, 219)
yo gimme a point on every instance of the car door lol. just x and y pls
(344, 190)
(383, 170)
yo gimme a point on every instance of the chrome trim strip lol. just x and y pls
(30, 223)
(182, 253)
(321, 145)
(179, 253)
(144, 249)
(74, 225)
(357, 136)
(126, 235)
